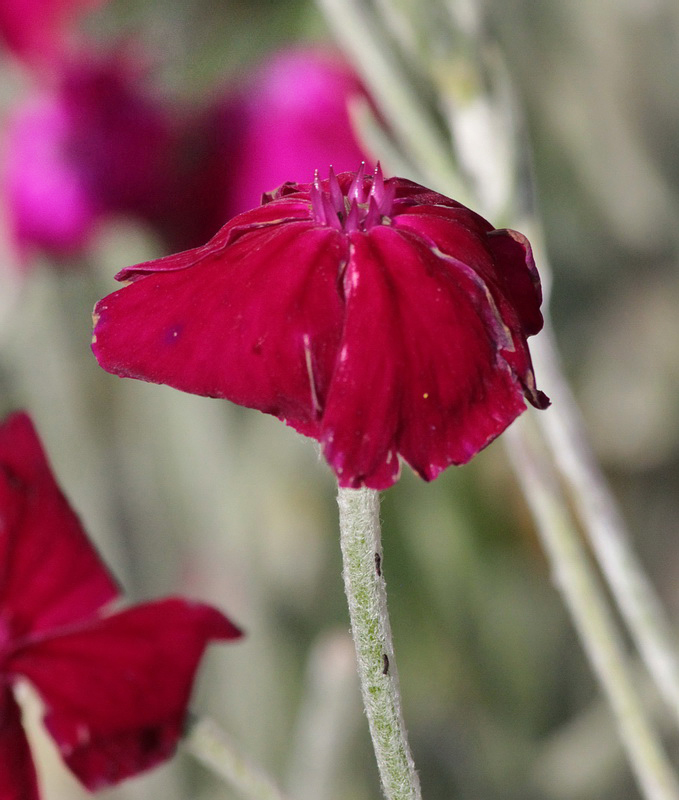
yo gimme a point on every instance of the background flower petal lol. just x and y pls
(37, 30)
(50, 574)
(116, 692)
(292, 118)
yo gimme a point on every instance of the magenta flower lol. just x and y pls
(278, 122)
(39, 30)
(50, 207)
(379, 317)
(122, 135)
(289, 117)
(98, 143)
(114, 686)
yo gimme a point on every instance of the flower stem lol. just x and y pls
(367, 597)
(211, 746)
(585, 598)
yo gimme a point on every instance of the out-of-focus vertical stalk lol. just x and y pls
(565, 434)
(398, 100)
(586, 601)
(605, 528)
(329, 713)
(367, 598)
(212, 747)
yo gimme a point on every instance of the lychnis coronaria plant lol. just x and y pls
(379, 317)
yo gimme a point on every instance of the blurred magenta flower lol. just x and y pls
(40, 30)
(281, 121)
(97, 144)
(102, 141)
(122, 132)
(50, 207)
(290, 118)
(114, 686)
(378, 317)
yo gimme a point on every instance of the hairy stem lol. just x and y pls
(366, 594)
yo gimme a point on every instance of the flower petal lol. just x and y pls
(49, 572)
(504, 264)
(419, 370)
(116, 692)
(17, 774)
(257, 323)
(263, 217)
(514, 256)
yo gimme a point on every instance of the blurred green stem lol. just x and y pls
(213, 748)
(604, 525)
(585, 598)
(367, 598)
(397, 97)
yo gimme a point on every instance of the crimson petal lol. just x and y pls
(256, 323)
(116, 691)
(419, 370)
(513, 252)
(49, 572)
(503, 261)
(257, 219)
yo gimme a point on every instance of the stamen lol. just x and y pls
(373, 217)
(352, 216)
(335, 191)
(332, 217)
(367, 202)
(317, 203)
(356, 190)
(377, 190)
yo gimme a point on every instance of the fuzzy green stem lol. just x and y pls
(213, 748)
(585, 598)
(367, 598)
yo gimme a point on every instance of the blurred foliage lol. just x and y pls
(188, 495)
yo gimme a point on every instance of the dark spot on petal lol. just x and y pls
(172, 334)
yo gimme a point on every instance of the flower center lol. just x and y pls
(366, 203)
